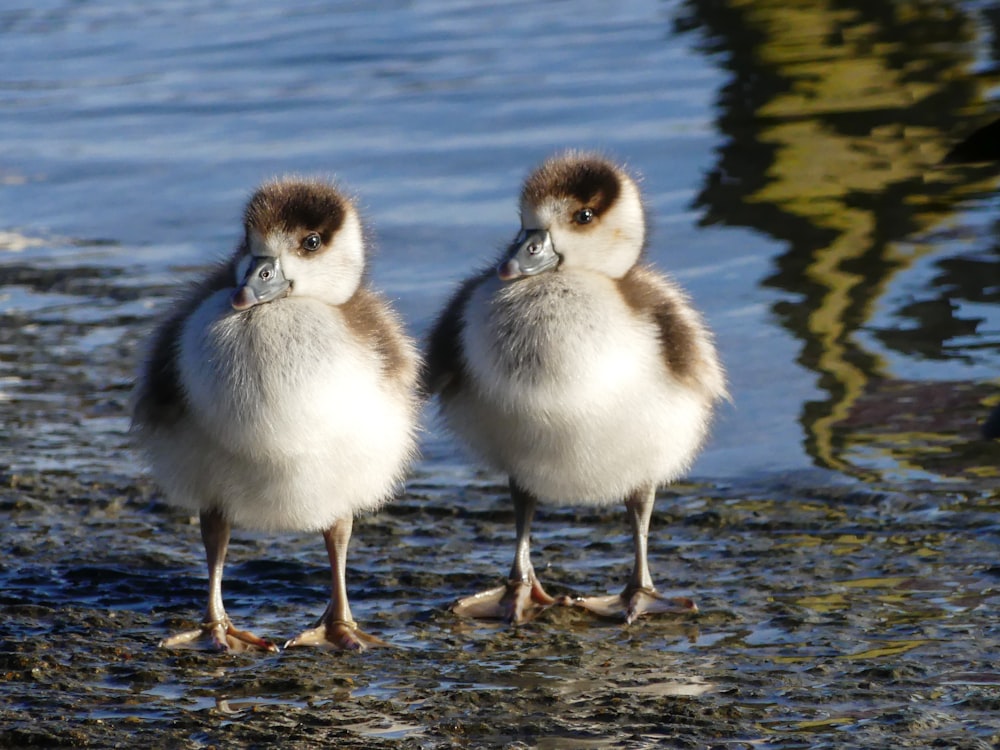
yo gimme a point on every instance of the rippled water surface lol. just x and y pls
(840, 531)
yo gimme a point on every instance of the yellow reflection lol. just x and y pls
(827, 603)
(889, 648)
(796, 541)
(838, 116)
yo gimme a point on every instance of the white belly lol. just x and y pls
(291, 423)
(570, 393)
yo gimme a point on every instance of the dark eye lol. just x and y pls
(312, 242)
(584, 216)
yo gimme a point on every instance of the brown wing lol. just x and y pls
(372, 320)
(685, 342)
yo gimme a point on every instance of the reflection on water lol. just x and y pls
(837, 115)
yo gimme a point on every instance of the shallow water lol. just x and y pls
(840, 531)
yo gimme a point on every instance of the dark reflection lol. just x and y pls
(837, 115)
(936, 314)
(982, 145)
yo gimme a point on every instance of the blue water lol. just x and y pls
(146, 128)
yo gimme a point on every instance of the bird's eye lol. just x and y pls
(311, 243)
(584, 216)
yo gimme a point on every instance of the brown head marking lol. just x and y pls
(588, 180)
(296, 206)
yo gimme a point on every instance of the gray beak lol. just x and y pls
(264, 282)
(532, 253)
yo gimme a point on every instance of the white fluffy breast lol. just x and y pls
(292, 423)
(570, 394)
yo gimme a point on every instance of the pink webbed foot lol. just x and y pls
(516, 602)
(219, 636)
(340, 635)
(633, 604)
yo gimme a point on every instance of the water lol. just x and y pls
(838, 532)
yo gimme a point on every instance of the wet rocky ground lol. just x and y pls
(831, 616)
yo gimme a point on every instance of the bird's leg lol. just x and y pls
(217, 629)
(640, 595)
(336, 627)
(522, 598)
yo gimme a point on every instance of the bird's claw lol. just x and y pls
(633, 604)
(516, 602)
(219, 635)
(342, 635)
